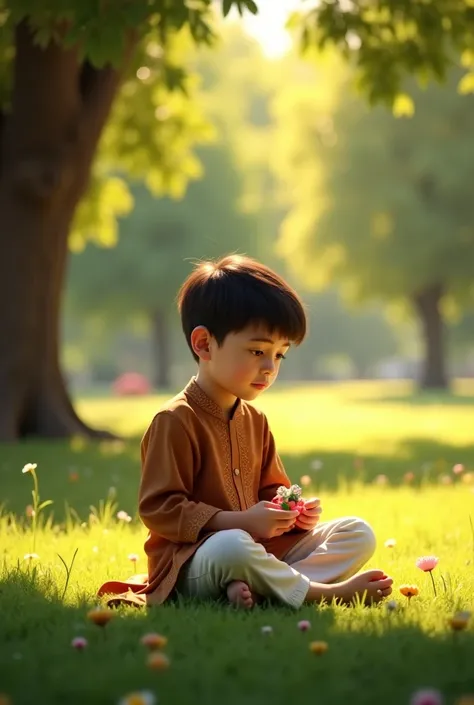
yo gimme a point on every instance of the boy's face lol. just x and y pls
(247, 362)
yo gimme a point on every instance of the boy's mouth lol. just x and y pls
(259, 386)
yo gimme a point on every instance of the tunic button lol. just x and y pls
(237, 471)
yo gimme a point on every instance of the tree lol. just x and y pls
(157, 243)
(60, 71)
(362, 338)
(65, 67)
(384, 205)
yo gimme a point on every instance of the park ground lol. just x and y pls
(404, 462)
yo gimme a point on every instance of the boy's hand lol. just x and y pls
(264, 520)
(311, 514)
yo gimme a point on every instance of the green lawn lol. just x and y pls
(355, 442)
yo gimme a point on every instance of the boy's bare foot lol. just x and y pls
(374, 583)
(240, 595)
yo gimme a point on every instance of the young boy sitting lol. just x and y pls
(210, 467)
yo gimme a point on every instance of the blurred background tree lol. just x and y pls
(382, 204)
(67, 66)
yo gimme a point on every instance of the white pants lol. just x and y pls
(331, 552)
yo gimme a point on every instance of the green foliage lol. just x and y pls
(159, 241)
(169, 228)
(156, 121)
(390, 39)
(383, 205)
(101, 30)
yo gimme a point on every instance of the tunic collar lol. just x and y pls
(194, 391)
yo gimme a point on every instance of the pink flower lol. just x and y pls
(429, 696)
(304, 625)
(79, 643)
(458, 469)
(427, 563)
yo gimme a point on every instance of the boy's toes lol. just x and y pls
(239, 594)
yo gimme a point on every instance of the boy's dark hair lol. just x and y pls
(227, 295)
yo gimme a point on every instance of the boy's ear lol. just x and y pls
(200, 343)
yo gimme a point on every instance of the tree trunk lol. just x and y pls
(427, 305)
(161, 349)
(48, 140)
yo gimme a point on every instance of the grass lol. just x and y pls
(355, 442)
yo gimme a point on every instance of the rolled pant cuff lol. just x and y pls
(297, 597)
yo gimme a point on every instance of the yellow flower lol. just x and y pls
(99, 616)
(154, 641)
(459, 621)
(390, 543)
(318, 647)
(158, 661)
(465, 700)
(305, 480)
(29, 467)
(142, 697)
(409, 591)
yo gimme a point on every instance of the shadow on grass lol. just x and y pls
(82, 475)
(216, 653)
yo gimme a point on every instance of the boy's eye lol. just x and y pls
(257, 353)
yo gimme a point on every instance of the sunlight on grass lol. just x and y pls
(404, 463)
(360, 417)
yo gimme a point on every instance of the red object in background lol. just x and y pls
(130, 384)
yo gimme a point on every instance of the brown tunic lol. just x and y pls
(195, 463)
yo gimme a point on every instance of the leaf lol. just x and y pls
(251, 6)
(466, 84)
(44, 504)
(467, 58)
(226, 7)
(403, 106)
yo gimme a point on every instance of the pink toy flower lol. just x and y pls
(79, 643)
(429, 696)
(427, 563)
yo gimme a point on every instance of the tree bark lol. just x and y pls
(427, 305)
(49, 137)
(161, 349)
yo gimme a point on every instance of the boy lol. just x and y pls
(210, 467)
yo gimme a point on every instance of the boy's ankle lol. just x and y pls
(318, 592)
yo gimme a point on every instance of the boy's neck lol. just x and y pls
(215, 392)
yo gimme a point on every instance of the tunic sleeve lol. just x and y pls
(273, 473)
(169, 464)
